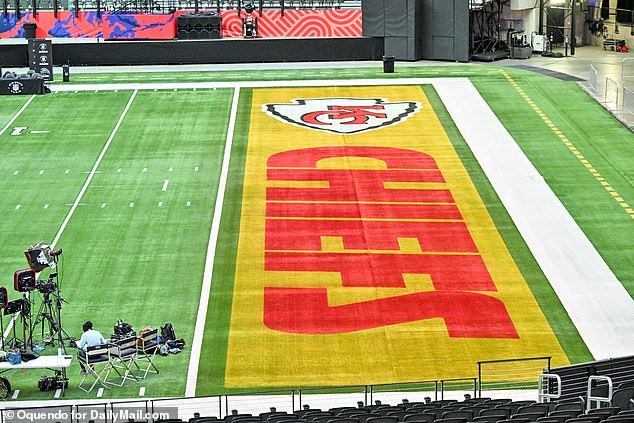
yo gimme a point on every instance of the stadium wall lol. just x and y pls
(203, 51)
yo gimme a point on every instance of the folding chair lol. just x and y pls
(146, 347)
(96, 355)
(122, 357)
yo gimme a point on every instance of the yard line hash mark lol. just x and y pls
(17, 114)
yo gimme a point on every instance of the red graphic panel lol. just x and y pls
(294, 23)
(466, 314)
(298, 23)
(372, 220)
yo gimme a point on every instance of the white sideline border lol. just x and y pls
(201, 318)
(597, 303)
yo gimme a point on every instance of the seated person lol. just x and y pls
(89, 338)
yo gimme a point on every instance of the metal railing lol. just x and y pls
(520, 373)
(593, 78)
(611, 94)
(548, 387)
(598, 398)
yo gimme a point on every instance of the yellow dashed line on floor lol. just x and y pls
(571, 147)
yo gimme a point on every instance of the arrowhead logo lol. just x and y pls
(342, 115)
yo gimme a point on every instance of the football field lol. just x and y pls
(326, 233)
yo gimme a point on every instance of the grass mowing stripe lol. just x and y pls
(192, 373)
(17, 114)
(547, 299)
(211, 372)
(94, 169)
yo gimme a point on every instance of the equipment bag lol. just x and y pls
(167, 332)
(14, 357)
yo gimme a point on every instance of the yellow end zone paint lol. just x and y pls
(404, 352)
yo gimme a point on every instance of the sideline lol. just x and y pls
(81, 192)
(596, 301)
(201, 319)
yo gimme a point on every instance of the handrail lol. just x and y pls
(598, 399)
(480, 363)
(544, 395)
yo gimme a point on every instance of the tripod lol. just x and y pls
(50, 317)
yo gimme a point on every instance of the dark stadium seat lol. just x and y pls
(265, 416)
(498, 411)
(420, 418)
(335, 419)
(570, 406)
(436, 412)
(321, 419)
(382, 419)
(625, 385)
(597, 414)
(306, 410)
(585, 419)
(626, 413)
(204, 420)
(499, 401)
(532, 417)
(476, 409)
(316, 415)
(620, 419)
(452, 420)
(533, 409)
(442, 403)
(516, 405)
(475, 401)
(282, 419)
(400, 415)
(386, 409)
(335, 411)
(623, 398)
(353, 411)
(489, 419)
(612, 411)
(238, 417)
(466, 414)
(551, 419)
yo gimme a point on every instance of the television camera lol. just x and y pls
(48, 318)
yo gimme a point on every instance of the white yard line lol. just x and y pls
(598, 304)
(17, 114)
(76, 203)
(194, 358)
(167, 181)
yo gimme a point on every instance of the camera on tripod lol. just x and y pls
(47, 287)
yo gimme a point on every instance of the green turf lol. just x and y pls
(143, 263)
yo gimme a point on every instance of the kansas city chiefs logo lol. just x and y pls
(342, 115)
